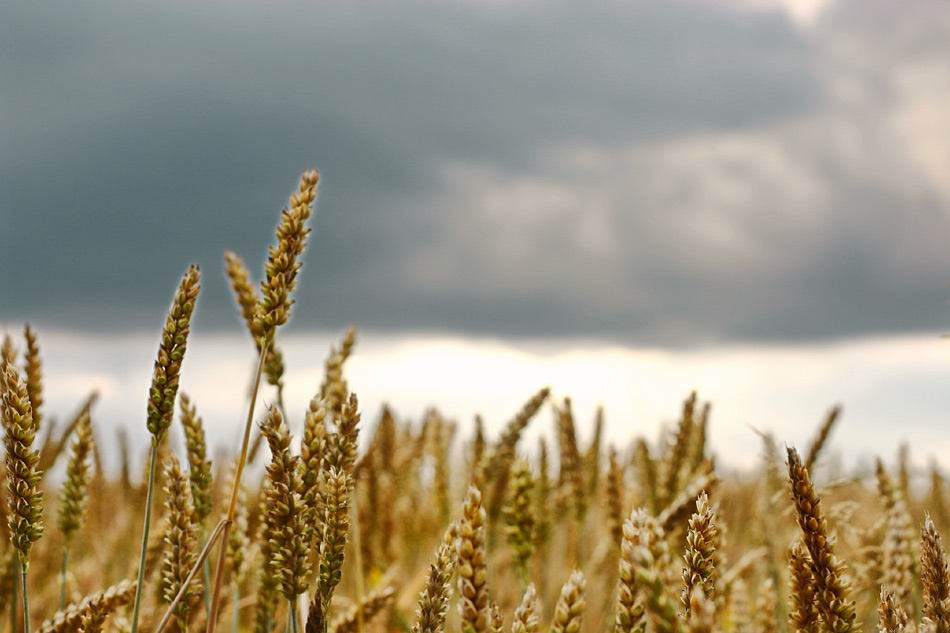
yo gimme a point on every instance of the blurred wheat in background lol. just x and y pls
(389, 524)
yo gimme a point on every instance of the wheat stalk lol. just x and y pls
(161, 399)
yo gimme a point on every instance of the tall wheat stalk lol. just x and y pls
(161, 399)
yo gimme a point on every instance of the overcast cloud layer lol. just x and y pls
(664, 173)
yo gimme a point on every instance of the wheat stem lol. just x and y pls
(232, 507)
(153, 452)
(62, 596)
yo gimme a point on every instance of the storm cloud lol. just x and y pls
(663, 173)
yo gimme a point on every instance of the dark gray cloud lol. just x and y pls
(658, 172)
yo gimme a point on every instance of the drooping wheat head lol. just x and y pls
(503, 453)
(247, 299)
(103, 602)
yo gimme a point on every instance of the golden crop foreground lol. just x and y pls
(381, 527)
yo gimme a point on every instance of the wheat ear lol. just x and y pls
(72, 507)
(527, 618)
(472, 565)
(504, 452)
(161, 398)
(891, 618)
(802, 613)
(701, 543)
(935, 577)
(821, 438)
(247, 299)
(897, 560)
(291, 540)
(103, 602)
(272, 310)
(520, 519)
(25, 518)
(569, 611)
(336, 523)
(181, 540)
(434, 597)
(630, 601)
(34, 375)
(283, 263)
(199, 474)
(832, 588)
(615, 497)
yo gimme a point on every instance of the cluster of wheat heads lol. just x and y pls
(404, 525)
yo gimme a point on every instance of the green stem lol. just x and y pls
(280, 396)
(294, 623)
(242, 461)
(139, 589)
(13, 603)
(237, 608)
(205, 571)
(26, 600)
(62, 597)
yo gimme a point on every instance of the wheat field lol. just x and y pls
(350, 525)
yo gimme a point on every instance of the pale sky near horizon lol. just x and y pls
(624, 200)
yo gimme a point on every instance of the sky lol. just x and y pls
(623, 200)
